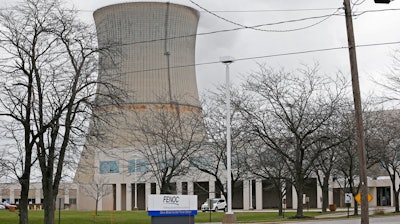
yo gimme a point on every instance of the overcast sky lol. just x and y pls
(258, 46)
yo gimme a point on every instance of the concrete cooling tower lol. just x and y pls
(154, 46)
(156, 50)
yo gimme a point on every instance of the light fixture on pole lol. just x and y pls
(227, 60)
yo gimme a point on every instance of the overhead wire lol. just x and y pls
(227, 11)
(374, 10)
(325, 17)
(255, 27)
(269, 56)
(220, 31)
(272, 10)
(118, 44)
(266, 56)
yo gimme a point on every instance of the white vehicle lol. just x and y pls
(2, 207)
(216, 204)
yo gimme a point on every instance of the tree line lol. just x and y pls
(287, 127)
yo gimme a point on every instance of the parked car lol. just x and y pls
(216, 204)
(7, 205)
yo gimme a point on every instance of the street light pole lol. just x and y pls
(136, 180)
(229, 217)
(358, 114)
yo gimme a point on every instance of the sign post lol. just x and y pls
(172, 209)
(348, 198)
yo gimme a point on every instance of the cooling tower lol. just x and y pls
(155, 50)
(153, 55)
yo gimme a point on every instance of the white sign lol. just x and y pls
(348, 197)
(171, 205)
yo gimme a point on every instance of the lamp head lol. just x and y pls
(226, 59)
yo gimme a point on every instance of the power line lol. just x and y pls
(271, 10)
(227, 30)
(268, 56)
(231, 11)
(261, 25)
(248, 27)
(376, 10)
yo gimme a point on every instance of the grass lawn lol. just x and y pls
(138, 217)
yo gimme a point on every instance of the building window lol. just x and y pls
(153, 189)
(185, 188)
(72, 201)
(109, 167)
(201, 162)
(137, 165)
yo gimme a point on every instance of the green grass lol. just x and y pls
(139, 217)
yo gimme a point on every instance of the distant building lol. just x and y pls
(66, 199)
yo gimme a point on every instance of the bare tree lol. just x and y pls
(166, 136)
(213, 158)
(290, 113)
(49, 71)
(323, 168)
(391, 83)
(346, 168)
(347, 173)
(97, 190)
(386, 143)
(390, 159)
(263, 162)
(325, 163)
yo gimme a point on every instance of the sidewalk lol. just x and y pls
(342, 212)
(337, 217)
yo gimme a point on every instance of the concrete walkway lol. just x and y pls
(372, 220)
(339, 217)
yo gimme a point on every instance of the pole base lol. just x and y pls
(229, 219)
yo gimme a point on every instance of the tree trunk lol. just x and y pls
(220, 187)
(23, 203)
(280, 206)
(97, 206)
(355, 207)
(299, 211)
(325, 194)
(48, 200)
(396, 192)
(396, 200)
(49, 208)
(165, 187)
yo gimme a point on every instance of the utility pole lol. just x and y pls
(358, 114)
